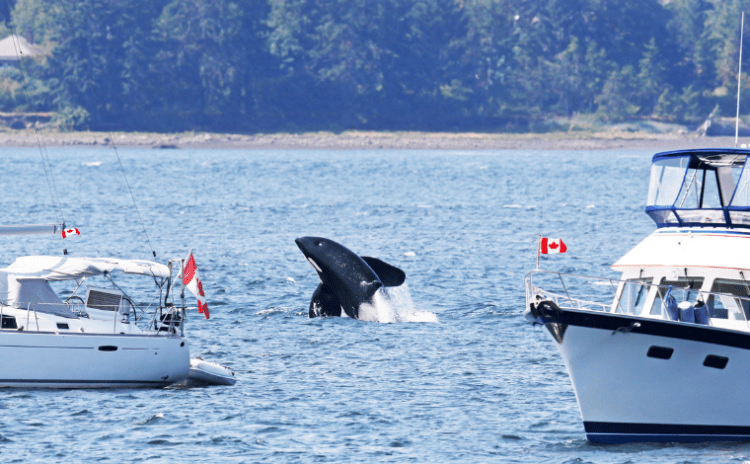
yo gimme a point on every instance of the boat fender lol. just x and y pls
(701, 313)
(687, 312)
(670, 304)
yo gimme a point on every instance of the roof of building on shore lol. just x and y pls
(14, 46)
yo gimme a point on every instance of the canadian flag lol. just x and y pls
(68, 232)
(193, 283)
(552, 245)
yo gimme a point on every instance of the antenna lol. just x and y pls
(739, 79)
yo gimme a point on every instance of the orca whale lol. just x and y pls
(346, 279)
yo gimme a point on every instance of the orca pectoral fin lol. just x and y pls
(391, 276)
(324, 303)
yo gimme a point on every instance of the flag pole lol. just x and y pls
(538, 248)
(182, 295)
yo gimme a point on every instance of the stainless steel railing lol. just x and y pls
(615, 290)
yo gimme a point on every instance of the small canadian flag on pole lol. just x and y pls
(549, 246)
(68, 232)
(552, 245)
(193, 283)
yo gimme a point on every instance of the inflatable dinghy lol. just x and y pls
(203, 373)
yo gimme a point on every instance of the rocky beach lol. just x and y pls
(363, 140)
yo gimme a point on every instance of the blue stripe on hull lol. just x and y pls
(618, 432)
(618, 439)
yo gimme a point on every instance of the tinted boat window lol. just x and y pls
(683, 289)
(726, 307)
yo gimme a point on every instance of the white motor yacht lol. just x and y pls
(97, 337)
(663, 352)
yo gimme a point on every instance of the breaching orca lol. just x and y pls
(347, 280)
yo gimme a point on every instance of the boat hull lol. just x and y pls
(639, 379)
(52, 360)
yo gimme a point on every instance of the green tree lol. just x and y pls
(614, 102)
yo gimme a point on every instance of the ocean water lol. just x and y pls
(451, 372)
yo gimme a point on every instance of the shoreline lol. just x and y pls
(363, 140)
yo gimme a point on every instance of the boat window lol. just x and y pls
(666, 180)
(740, 218)
(709, 188)
(710, 191)
(634, 295)
(725, 306)
(700, 188)
(742, 193)
(704, 216)
(690, 193)
(683, 289)
(664, 217)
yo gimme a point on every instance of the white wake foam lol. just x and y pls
(394, 304)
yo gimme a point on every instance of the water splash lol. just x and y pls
(394, 304)
(153, 418)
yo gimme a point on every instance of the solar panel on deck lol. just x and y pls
(103, 300)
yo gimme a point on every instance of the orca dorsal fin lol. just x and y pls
(391, 276)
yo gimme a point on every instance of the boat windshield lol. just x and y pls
(700, 187)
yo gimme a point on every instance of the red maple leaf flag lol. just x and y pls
(193, 283)
(552, 245)
(68, 232)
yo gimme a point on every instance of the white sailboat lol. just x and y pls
(98, 338)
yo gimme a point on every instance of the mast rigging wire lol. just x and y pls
(51, 185)
(111, 137)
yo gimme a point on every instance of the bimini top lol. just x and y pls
(67, 268)
(706, 187)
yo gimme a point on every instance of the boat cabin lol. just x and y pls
(702, 299)
(700, 187)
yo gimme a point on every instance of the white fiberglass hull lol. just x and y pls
(51, 360)
(655, 380)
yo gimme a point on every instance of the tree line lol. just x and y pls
(433, 65)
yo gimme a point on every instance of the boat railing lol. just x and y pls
(564, 299)
(165, 321)
(573, 303)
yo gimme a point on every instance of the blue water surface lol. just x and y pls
(478, 385)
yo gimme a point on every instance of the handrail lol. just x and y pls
(580, 304)
(172, 313)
